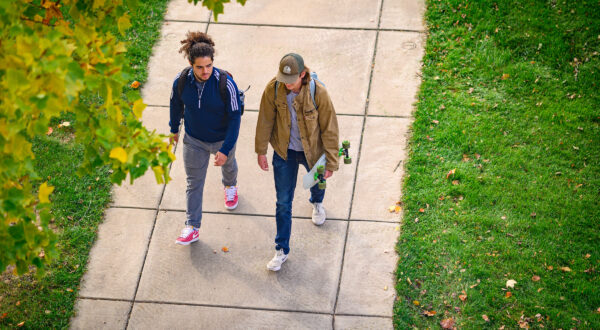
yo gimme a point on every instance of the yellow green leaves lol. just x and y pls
(159, 174)
(138, 108)
(44, 192)
(119, 154)
(50, 66)
(123, 23)
(52, 11)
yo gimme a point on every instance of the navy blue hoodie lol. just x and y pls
(211, 119)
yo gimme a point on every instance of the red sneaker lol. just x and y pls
(188, 235)
(231, 197)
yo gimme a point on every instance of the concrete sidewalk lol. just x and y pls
(339, 275)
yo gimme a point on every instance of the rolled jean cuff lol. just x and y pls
(195, 224)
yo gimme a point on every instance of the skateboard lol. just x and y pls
(316, 175)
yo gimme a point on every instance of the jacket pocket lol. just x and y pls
(310, 114)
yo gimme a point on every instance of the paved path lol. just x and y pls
(339, 275)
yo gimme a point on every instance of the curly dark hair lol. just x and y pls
(197, 44)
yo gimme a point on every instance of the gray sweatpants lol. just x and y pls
(196, 155)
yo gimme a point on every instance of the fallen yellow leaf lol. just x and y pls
(398, 209)
(225, 249)
(508, 294)
(565, 269)
(451, 172)
(135, 84)
(505, 76)
(391, 208)
(416, 303)
(45, 191)
(462, 297)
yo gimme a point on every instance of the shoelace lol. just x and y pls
(186, 231)
(230, 193)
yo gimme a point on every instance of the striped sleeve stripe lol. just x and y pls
(233, 96)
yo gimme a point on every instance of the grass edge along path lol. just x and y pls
(501, 193)
(78, 203)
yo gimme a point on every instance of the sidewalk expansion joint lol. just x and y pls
(299, 26)
(132, 207)
(273, 216)
(337, 114)
(158, 302)
(362, 134)
(137, 286)
(106, 299)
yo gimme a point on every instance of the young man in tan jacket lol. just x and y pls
(299, 133)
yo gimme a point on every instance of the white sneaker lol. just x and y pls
(277, 261)
(231, 197)
(318, 216)
(188, 235)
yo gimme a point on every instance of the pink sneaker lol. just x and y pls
(231, 197)
(188, 235)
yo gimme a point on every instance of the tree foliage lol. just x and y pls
(60, 57)
(216, 6)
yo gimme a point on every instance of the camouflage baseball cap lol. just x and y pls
(290, 67)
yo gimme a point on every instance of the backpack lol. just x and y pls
(222, 88)
(311, 84)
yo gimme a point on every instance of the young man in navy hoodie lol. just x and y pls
(212, 124)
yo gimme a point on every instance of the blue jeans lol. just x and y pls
(286, 174)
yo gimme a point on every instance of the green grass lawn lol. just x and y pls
(78, 205)
(503, 179)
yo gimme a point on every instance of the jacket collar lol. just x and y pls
(191, 79)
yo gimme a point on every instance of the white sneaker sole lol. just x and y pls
(318, 223)
(232, 207)
(187, 243)
(276, 268)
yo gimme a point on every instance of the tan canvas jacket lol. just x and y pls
(318, 128)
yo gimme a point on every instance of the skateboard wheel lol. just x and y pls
(348, 160)
(321, 169)
(322, 185)
(346, 144)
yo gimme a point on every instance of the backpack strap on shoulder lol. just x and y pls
(181, 85)
(313, 86)
(223, 85)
